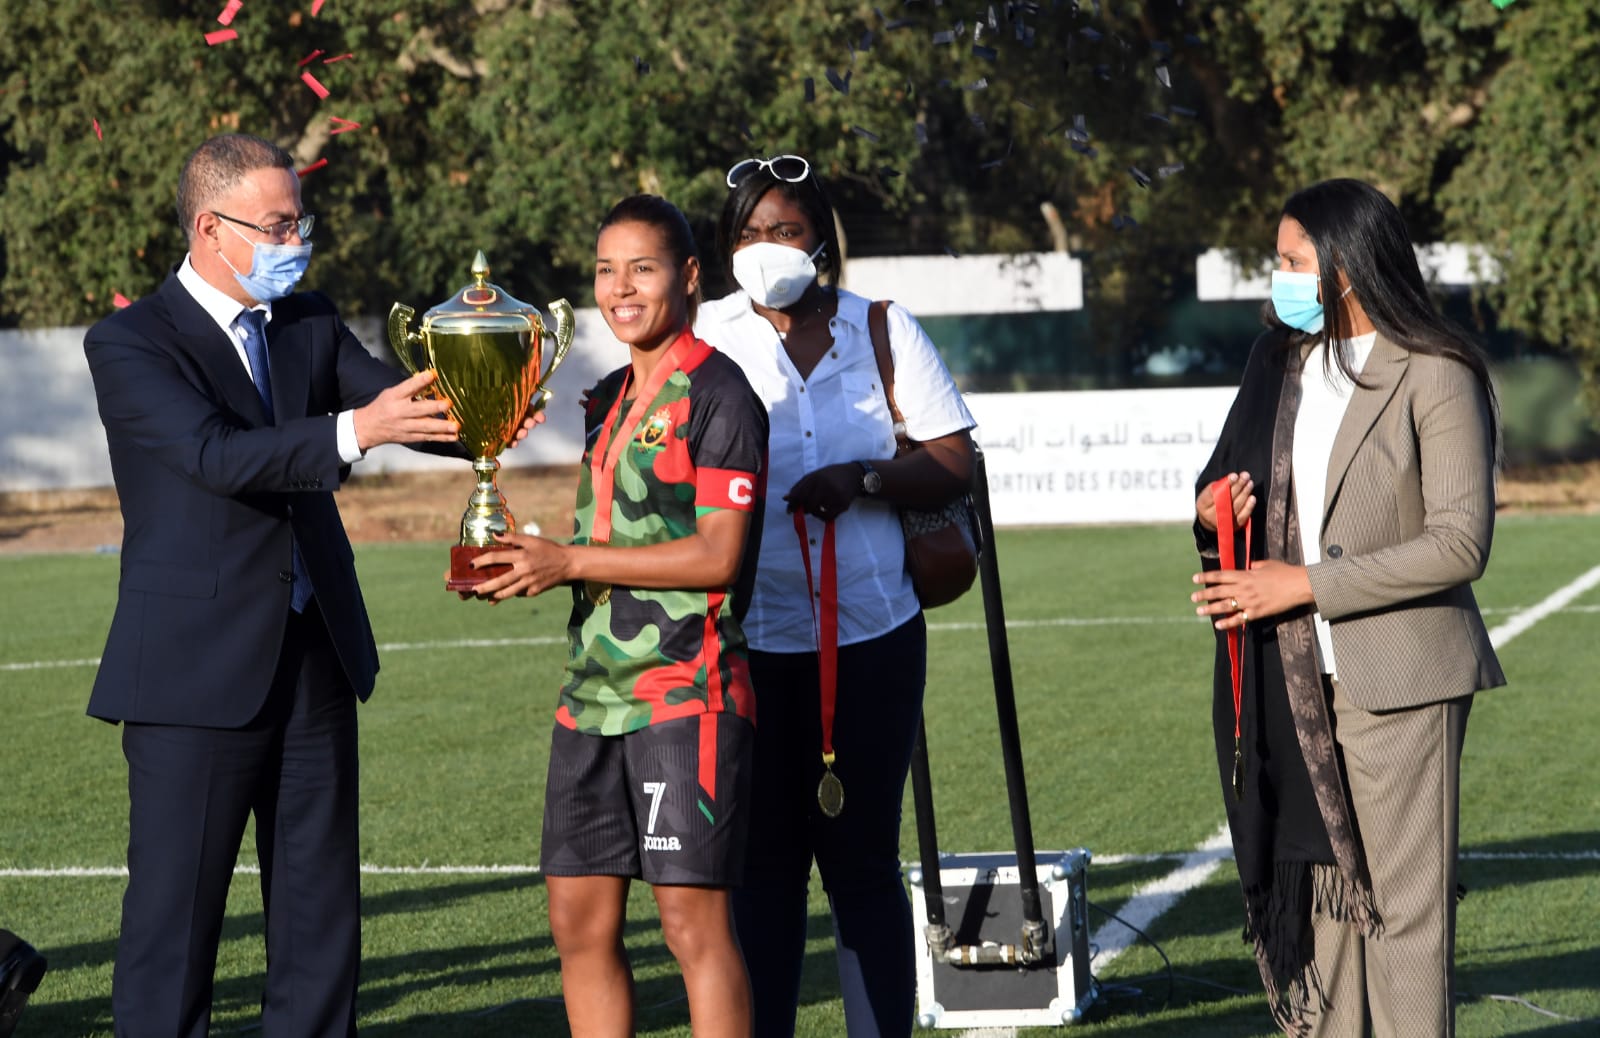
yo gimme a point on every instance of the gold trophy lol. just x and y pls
(485, 349)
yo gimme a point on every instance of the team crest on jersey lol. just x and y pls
(654, 432)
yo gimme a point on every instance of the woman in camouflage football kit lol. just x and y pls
(650, 757)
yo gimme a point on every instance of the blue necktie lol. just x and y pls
(253, 324)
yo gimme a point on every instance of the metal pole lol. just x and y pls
(937, 933)
(1006, 704)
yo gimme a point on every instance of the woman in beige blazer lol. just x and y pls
(1359, 456)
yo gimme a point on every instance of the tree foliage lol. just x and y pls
(1153, 129)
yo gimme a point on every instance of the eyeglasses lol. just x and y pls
(791, 169)
(279, 231)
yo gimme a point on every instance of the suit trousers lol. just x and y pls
(1403, 768)
(191, 791)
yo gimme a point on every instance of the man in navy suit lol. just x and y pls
(240, 642)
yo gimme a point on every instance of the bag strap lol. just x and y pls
(878, 326)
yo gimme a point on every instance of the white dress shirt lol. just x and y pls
(225, 310)
(1323, 399)
(838, 414)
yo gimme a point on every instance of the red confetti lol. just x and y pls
(316, 5)
(97, 134)
(313, 167)
(342, 125)
(226, 17)
(220, 36)
(119, 300)
(316, 87)
(330, 61)
(309, 58)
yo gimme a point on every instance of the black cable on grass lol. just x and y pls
(1167, 1001)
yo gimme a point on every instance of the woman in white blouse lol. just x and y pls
(806, 348)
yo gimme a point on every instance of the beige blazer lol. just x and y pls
(1407, 527)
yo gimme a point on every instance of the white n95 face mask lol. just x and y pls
(774, 275)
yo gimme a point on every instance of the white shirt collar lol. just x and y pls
(223, 308)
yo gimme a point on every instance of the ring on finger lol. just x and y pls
(1234, 602)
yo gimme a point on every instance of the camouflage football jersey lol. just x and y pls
(640, 656)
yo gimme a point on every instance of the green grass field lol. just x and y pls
(1112, 678)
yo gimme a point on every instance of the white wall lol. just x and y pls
(51, 437)
(1218, 278)
(932, 286)
(1052, 457)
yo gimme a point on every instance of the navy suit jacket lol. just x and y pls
(213, 497)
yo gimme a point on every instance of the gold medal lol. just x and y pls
(830, 792)
(598, 593)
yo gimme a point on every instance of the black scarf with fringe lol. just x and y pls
(1294, 840)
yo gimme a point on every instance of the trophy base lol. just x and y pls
(463, 578)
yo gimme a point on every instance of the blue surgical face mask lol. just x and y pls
(274, 269)
(1294, 297)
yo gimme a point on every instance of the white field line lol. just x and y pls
(1226, 853)
(1552, 603)
(1149, 902)
(1016, 625)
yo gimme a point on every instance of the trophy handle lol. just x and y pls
(566, 325)
(401, 338)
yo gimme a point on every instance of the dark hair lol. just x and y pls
(668, 219)
(217, 166)
(1357, 230)
(807, 195)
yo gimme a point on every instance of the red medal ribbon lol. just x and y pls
(1222, 496)
(826, 618)
(608, 447)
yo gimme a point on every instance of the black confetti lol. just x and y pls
(868, 134)
(987, 53)
(1161, 47)
(1092, 35)
(866, 41)
(942, 37)
(1140, 177)
(1103, 71)
(981, 83)
(888, 172)
(995, 162)
(811, 90)
(1121, 222)
(898, 23)
(1166, 171)
(1163, 76)
(841, 85)
(1084, 149)
(977, 120)
(1177, 110)
(952, 253)
(1158, 117)
(640, 66)
(920, 132)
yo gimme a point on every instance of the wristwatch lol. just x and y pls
(871, 479)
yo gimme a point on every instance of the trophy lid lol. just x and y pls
(480, 307)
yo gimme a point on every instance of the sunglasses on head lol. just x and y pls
(791, 169)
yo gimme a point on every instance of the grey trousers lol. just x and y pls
(1404, 771)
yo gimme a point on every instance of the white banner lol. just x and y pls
(1096, 457)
